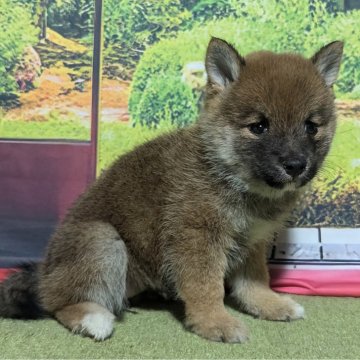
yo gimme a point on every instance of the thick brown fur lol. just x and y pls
(190, 210)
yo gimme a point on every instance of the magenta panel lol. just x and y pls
(42, 179)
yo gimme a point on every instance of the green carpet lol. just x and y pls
(331, 330)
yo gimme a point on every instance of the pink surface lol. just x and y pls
(4, 273)
(340, 282)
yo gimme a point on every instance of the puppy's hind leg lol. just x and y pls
(87, 318)
(83, 282)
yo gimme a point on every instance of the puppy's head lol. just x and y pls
(269, 118)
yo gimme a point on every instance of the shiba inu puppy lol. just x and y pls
(189, 211)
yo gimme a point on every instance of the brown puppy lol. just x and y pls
(192, 209)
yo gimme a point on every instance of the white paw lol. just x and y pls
(278, 308)
(292, 310)
(299, 311)
(97, 325)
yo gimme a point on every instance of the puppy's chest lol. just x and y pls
(245, 231)
(249, 227)
(262, 230)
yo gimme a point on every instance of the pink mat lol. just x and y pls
(324, 282)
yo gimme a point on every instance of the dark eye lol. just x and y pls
(310, 127)
(260, 127)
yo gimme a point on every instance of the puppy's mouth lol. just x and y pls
(274, 181)
(276, 184)
(278, 179)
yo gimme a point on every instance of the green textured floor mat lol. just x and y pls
(331, 330)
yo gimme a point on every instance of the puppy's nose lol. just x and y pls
(294, 167)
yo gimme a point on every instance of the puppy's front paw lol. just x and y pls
(277, 308)
(218, 327)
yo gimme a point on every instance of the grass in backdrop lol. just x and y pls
(343, 159)
(55, 127)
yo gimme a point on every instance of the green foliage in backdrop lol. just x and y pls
(35, 7)
(165, 99)
(130, 26)
(203, 10)
(16, 32)
(72, 18)
(277, 25)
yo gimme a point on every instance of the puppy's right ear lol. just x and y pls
(327, 61)
(223, 64)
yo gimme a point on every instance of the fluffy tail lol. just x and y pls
(19, 295)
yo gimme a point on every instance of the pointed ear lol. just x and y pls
(223, 63)
(327, 61)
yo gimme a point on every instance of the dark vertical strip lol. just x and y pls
(272, 256)
(321, 248)
(96, 81)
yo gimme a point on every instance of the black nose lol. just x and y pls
(294, 167)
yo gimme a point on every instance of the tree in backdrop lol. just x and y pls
(203, 10)
(15, 36)
(38, 11)
(131, 26)
(71, 18)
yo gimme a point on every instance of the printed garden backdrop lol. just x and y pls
(153, 74)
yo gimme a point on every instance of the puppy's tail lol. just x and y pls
(19, 294)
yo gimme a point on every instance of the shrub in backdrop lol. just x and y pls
(296, 25)
(203, 10)
(130, 26)
(277, 25)
(16, 32)
(165, 101)
(71, 18)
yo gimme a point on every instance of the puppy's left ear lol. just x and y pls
(223, 64)
(327, 61)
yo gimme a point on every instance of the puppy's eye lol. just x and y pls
(310, 127)
(260, 127)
